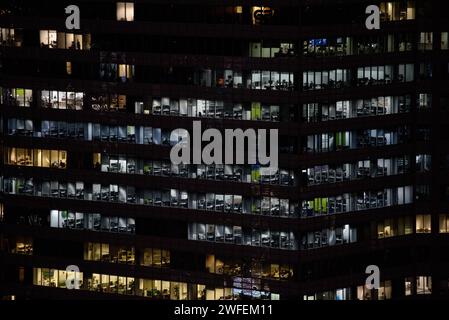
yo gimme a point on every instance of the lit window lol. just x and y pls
(270, 50)
(405, 226)
(55, 278)
(24, 245)
(97, 160)
(125, 11)
(165, 258)
(424, 101)
(162, 289)
(108, 253)
(112, 72)
(444, 223)
(393, 11)
(408, 286)
(37, 158)
(388, 228)
(48, 38)
(19, 97)
(384, 291)
(394, 227)
(426, 41)
(406, 72)
(118, 102)
(65, 40)
(424, 285)
(125, 72)
(261, 15)
(94, 221)
(411, 10)
(423, 223)
(68, 67)
(62, 100)
(10, 37)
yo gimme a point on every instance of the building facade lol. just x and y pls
(86, 126)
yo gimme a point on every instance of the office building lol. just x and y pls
(87, 118)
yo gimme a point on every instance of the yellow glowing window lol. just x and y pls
(37, 158)
(444, 223)
(423, 223)
(121, 101)
(260, 15)
(125, 11)
(68, 67)
(24, 245)
(97, 160)
(125, 71)
(48, 38)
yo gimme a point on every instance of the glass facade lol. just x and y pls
(88, 119)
